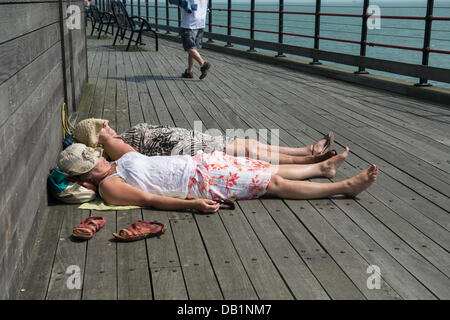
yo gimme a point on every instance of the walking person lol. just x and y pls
(192, 27)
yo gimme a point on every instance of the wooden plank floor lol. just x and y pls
(269, 248)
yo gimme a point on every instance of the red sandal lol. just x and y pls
(140, 230)
(88, 227)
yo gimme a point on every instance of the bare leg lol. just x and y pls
(304, 171)
(194, 56)
(297, 171)
(256, 150)
(191, 62)
(304, 151)
(288, 189)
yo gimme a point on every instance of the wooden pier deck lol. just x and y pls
(268, 248)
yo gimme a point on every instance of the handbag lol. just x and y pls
(65, 190)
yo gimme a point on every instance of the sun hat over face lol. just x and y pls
(88, 130)
(78, 159)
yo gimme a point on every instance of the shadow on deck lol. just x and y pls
(269, 248)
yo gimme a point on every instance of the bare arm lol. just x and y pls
(114, 146)
(115, 191)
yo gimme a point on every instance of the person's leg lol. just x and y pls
(255, 146)
(302, 151)
(188, 37)
(191, 63)
(194, 56)
(287, 159)
(305, 190)
(304, 171)
(257, 150)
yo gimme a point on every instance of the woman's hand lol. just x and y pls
(206, 205)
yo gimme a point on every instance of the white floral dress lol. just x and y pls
(219, 176)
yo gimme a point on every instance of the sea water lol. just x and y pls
(392, 31)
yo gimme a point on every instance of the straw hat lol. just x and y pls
(88, 130)
(78, 159)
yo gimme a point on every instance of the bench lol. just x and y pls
(134, 24)
(99, 19)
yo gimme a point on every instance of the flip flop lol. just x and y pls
(88, 227)
(324, 156)
(140, 230)
(330, 140)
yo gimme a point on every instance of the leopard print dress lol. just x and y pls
(155, 140)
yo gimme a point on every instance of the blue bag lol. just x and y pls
(58, 181)
(63, 189)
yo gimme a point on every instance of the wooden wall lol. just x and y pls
(33, 37)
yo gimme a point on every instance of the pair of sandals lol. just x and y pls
(138, 230)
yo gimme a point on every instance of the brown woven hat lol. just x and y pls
(88, 130)
(78, 159)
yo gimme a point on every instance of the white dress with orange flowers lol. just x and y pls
(219, 176)
(216, 175)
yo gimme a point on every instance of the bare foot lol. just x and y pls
(329, 167)
(362, 181)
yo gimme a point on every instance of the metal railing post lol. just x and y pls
(280, 26)
(167, 16)
(179, 17)
(426, 41)
(229, 24)
(132, 8)
(252, 26)
(210, 20)
(362, 51)
(316, 31)
(146, 9)
(156, 15)
(139, 8)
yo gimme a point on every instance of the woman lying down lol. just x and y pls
(194, 182)
(155, 140)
